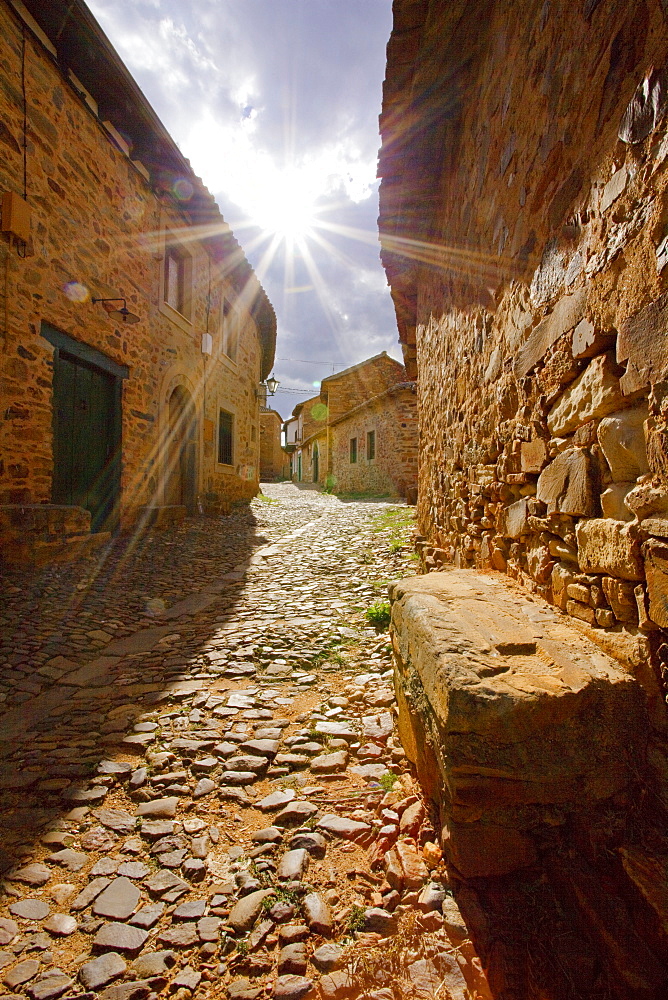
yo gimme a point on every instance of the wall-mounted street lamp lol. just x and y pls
(272, 385)
(123, 314)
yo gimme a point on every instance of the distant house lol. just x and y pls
(135, 332)
(374, 446)
(306, 441)
(360, 433)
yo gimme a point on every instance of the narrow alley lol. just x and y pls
(200, 778)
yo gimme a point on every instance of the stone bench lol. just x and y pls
(36, 534)
(515, 721)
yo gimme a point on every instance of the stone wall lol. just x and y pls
(100, 224)
(392, 416)
(272, 456)
(523, 222)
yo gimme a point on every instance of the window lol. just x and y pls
(370, 445)
(225, 437)
(177, 280)
(230, 329)
(353, 450)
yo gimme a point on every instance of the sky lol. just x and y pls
(276, 103)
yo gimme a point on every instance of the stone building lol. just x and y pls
(274, 461)
(523, 198)
(106, 419)
(374, 445)
(359, 434)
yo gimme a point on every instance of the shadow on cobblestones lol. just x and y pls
(67, 703)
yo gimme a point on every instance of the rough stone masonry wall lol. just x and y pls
(539, 301)
(272, 456)
(96, 221)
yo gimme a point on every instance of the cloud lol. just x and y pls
(276, 104)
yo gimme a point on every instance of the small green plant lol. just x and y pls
(379, 614)
(387, 781)
(355, 920)
(279, 894)
(266, 499)
(242, 948)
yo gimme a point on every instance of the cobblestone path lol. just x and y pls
(202, 790)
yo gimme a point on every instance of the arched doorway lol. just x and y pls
(182, 450)
(316, 463)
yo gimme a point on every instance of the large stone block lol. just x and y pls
(533, 455)
(606, 546)
(595, 393)
(512, 713)
(612, 502)
(567, 484)
(643, 339)
(622, 439)
(565, 315)
(620, 595)
(515, 519)
(656, 570)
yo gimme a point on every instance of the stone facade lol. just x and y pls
(115, 212)
(527, 270)
(274, 461)
(384, 429)
(373, 399)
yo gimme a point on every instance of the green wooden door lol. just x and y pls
(86, 439)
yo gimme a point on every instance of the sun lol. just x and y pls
(286, 206)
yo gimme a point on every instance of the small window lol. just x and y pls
(225, 435)
(230, 330)
(177, 280)
(353, 450)
(370, 445)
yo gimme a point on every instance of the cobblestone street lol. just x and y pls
(203, 793)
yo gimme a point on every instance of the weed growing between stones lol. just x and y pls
(355, 919)
(387, 781)
(379, 614)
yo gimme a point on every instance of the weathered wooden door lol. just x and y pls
(316, 463)
(86, 450)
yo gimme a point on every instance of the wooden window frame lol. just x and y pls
(370, 445)
(229, 329)
(353, 451)
(182, 303)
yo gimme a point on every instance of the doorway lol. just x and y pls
(181, 487)
(86, 439)
(316, 463)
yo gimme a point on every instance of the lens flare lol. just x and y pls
(76, 292)
(183, 189)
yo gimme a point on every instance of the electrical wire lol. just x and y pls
(303, 361)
